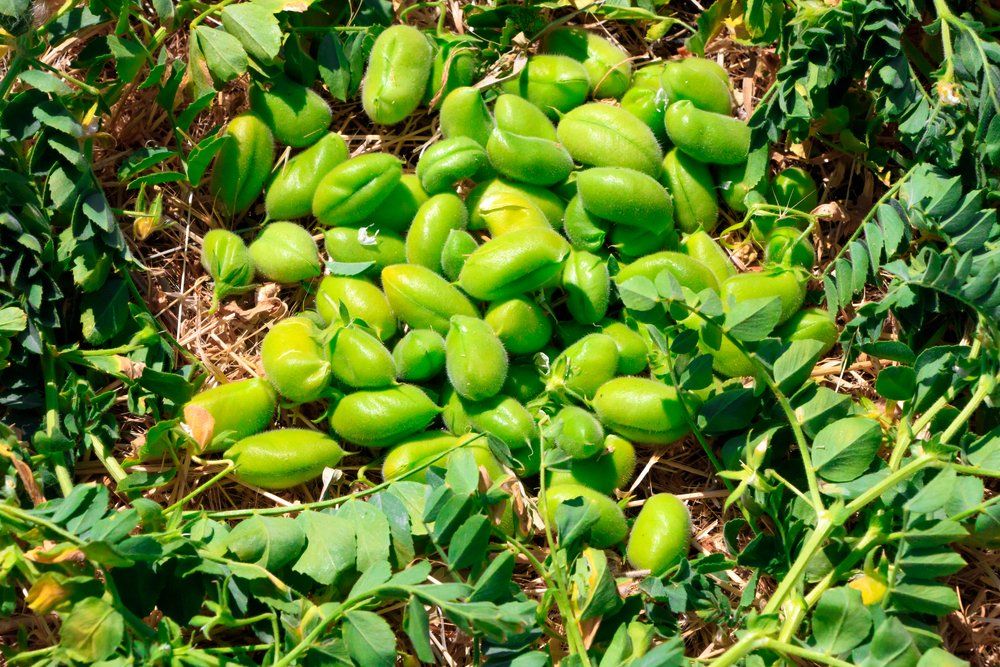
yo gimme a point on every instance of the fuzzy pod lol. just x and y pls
(576, 432)
(353, 190)
(521, 325)
(553, 83)
(514, 264)
(701, 81)
(449, 161)
(464, 114)
(226, 258)
(587, 284)
(382, 417)
(457, 248)
(359, 360)
(243, 164)
(271, 542)
(727, 359)
(609, 470)
(661, 534)
(475, 359)
(693, 191)
(794, 188)
(501, 416)
(296, 114)
(290, 194)
(294, 361)
(523, 382)
(502, 206)
(399, 67)
(454, 67)
(585, 365)
(641, 410)
(404, 458)
(647, 101)
(788, 286)
(735, 187)
(419, 355)
(688, 271)
(347, 245)
(523, 145)
(608, 67)
(611, 526)
(602, 135)
(702, 247)
(584, 230)
(283, 458)
(708, 137)
(360, 299)
(788, 246)
(423, 299)
(285, 252)
(633, 353)
(239, 408)
(396, 211)
(626, 197)
(435, 220)
(810, 324)
(632, 243)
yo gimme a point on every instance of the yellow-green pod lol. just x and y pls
(501, 206)
(396, 211)
(454, 67)
(422, 298)
(449, 161)
(693, 191)
(382, 417)
(296, 114)
(788, 246)
(239, 408)
(419, 355)
(243, 164)
(464, 114)
(642, 410)
(283, 458)
(521, 325)
(608, 67)
(285, 253)
(626, 197)
(290, 194)
(413, 452)
(523, 382)
(457, 248)
(727, 358)
(503, 417)
(609, 470)
(702, 247)
(584, 230)
(788, 286)
(435, 220)
(661, 534)
(523, 144)
(399, 67)
(688, 271)
(360, 360)
(585, 365)
(576, 432)
(633, 243)
(553, 83)
(348, 245)
(227, 259)
(354, 189)
(475, 359)
(602, 135)
(646, 99)
(514, 264)
(708, 137)
(734, 186)
(294, 361)
(794, 188)
(633, 353)
(810, 324)
(361, 299)
(587, 284)
(611, 527)
(701, 81)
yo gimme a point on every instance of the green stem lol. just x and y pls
(21, 515)
(110, 462)
(52, 418)
(202, 487)
(803, 652)
(984, 388)
(747, 644)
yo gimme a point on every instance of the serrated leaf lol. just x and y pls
(105, 312)
(638, 293)
(92, 630)
(469, 542)
(224, 55)
(846, 448)
(372, 531)
(45, 82)
(924, 598)
(256, 29)
(753, 319)
(840, 621)
(417, 627)
(370, 641)
(331, 547)
(334, 67)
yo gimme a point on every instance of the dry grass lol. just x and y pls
(227, 343)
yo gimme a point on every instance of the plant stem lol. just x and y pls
(802, 652)
(52, 418)
(110, 462)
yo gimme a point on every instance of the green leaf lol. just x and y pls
(370, 641)
(334, 67)
(462, 473)
(255, 27)
(843, 450)
(45, 82)
(12, 321)
(372, 531)
(105, 312)
(930, 563)
(14, 8)
(594, 590)
(840, 621)
(399, 525)
(924, 598)
(891, 646)
(92, 631)
(638, 293)
(372, 578)
(201, 156)
(269, 541)
(753, 319)
(143, 159)
(469, 542)
(96, 207)
(938, 657)
(935, 494)
(129, 56)
(896, 383)
(224, 55)
(331, 547)
(417, 627)
(793, 367)
(496, 580)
